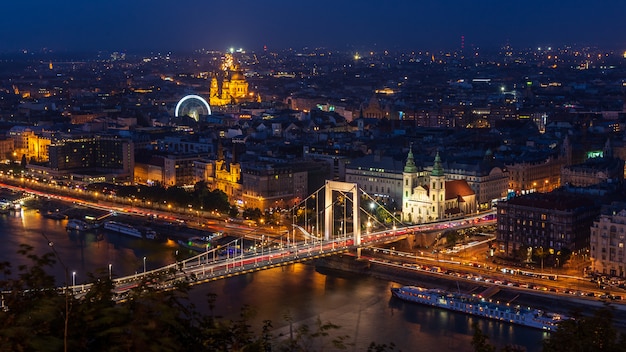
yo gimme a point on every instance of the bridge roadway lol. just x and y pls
(230, 259)
(212, 265)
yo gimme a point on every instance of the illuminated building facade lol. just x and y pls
(92, 159)
(166, 170)
(229, 86)
(33, 146)
(535, 176)
(374, 110)
(380, 176)
(281, 185)
(6, 149)
(555, 220)
(608, 237)
(599, 167)
(541, 173)
(486, 178)
(221, 174)
(429, 197)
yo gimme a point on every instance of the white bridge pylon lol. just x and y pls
(344, 187)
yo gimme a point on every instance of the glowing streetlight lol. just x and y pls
(73, 278)
(110, 267)
(144, 264)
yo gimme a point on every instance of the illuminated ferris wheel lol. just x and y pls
(192, 106)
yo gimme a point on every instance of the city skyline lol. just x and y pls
(399, 24)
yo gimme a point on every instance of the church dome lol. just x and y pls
(237, 76)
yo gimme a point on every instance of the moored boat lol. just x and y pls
(122, 228)
(79, 225)
(148, 233)
(130, 230)
(200, 244)
(476, 306)
(55, 215)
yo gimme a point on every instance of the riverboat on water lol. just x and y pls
(476, 306)
(200, 243)
(129, 230)
(79, 225)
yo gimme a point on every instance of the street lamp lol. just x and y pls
(110, 267)
(73, 278)
(144, 264)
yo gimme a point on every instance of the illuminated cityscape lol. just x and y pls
(470, 159)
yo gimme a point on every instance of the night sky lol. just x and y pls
(185, 25)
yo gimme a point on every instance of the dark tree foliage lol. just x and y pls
(201, 198)
(452, 237)
(480, 341)
(252, 214)
(586, 333)
(39, 316)
(36, 318)
(374, 347)
(594, 333)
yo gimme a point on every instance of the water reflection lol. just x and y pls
(83, 253)
(363, 306)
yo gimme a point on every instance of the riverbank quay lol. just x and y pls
(546, 300)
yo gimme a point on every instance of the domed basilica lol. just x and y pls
(230, 86)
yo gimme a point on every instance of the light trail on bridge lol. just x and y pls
(218, 263)
(232, 259)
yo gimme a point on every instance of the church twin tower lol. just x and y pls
(423, 194)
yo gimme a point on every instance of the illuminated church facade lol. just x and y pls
(428, 196)
(230, 86)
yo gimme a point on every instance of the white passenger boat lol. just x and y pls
(476, 306)
(122, 228)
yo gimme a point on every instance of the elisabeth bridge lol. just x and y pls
(339, 217)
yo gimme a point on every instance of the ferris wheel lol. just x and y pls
(193, 106)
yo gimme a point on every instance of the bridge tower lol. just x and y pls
(328, 208)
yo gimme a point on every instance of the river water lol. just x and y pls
(362, 306)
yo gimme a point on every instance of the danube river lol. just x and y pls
(362, 306)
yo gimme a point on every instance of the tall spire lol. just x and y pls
(220, 150)
(437, 168)
(410, 163)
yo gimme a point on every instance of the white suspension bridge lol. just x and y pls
(312, 236)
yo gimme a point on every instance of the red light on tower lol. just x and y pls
(462, 42)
